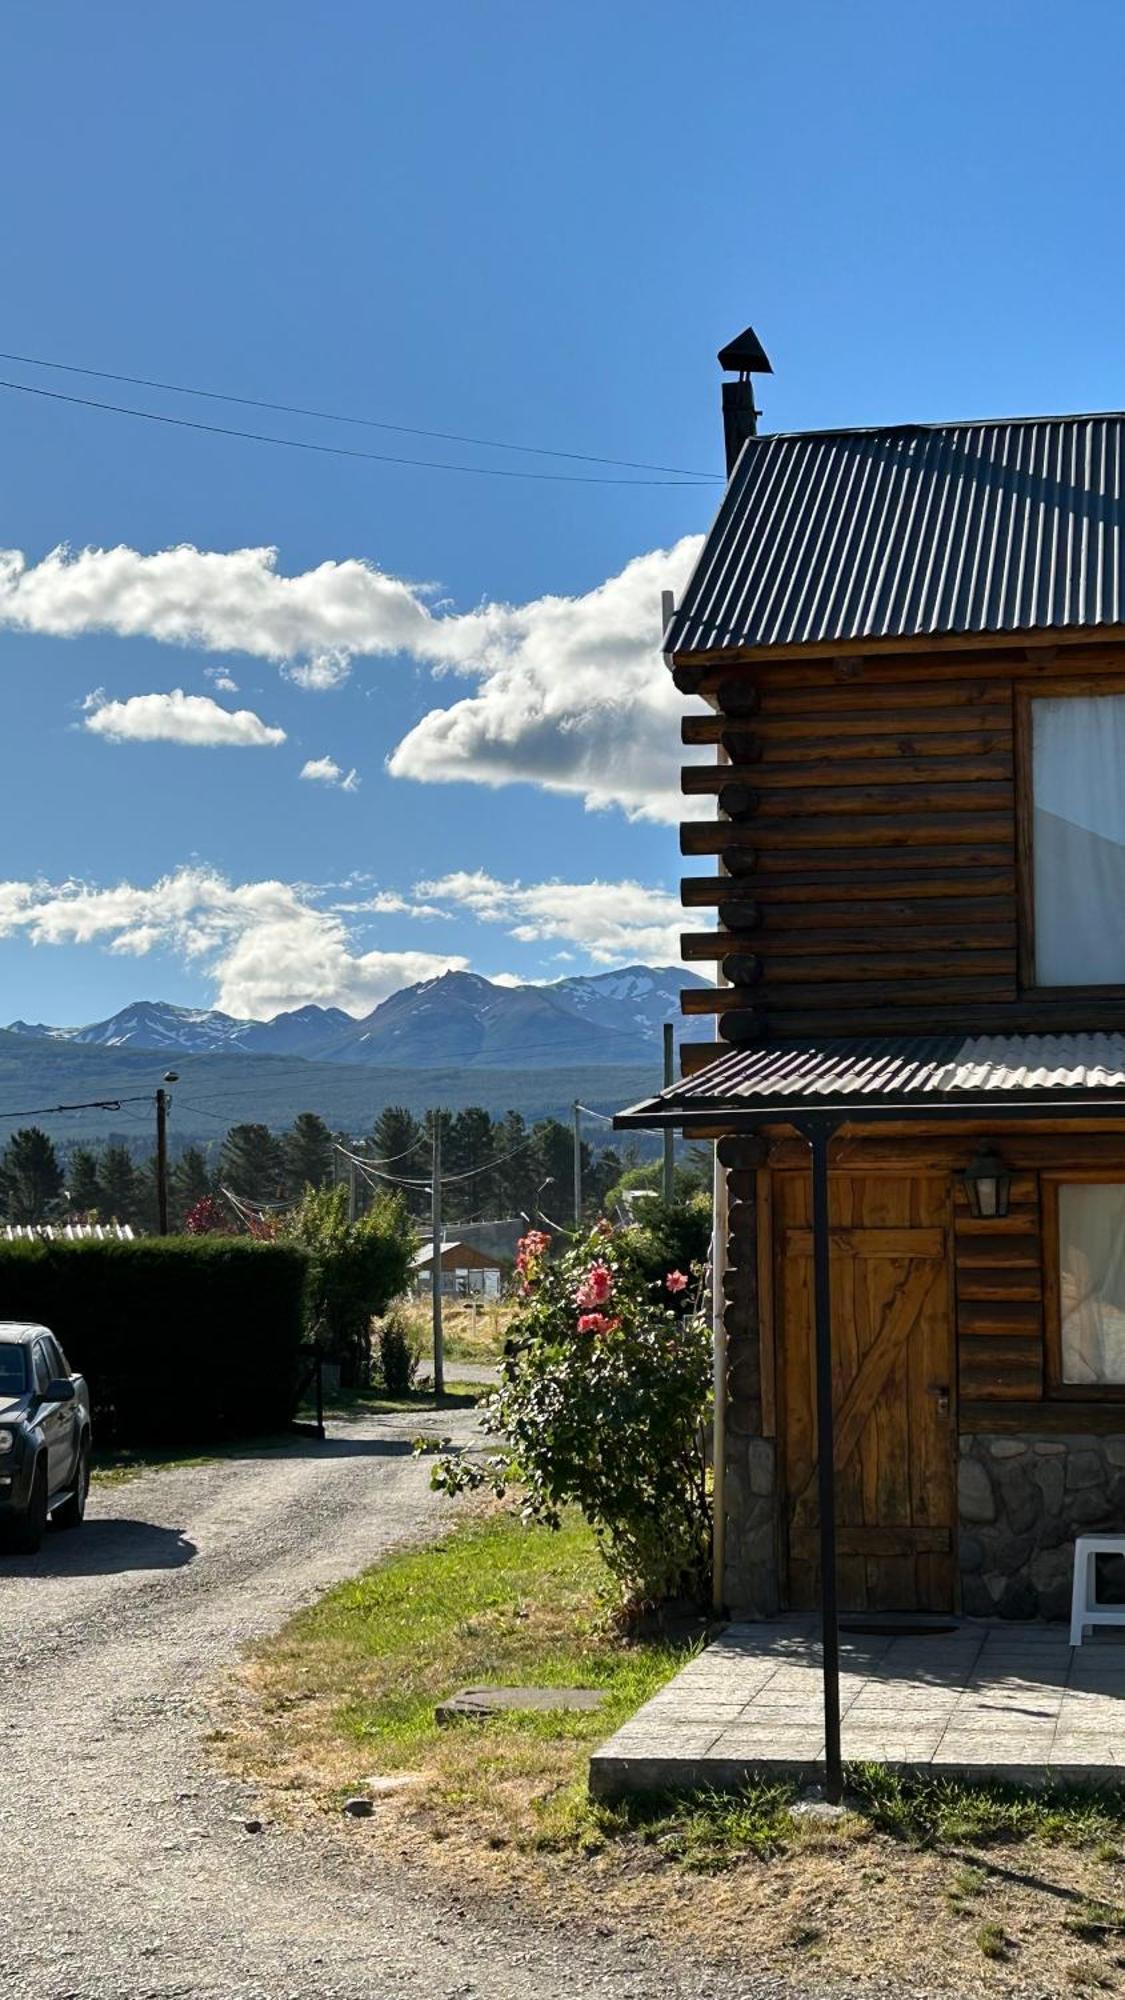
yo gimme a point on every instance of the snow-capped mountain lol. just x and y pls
(460, 1018)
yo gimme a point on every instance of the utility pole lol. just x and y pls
(353, 1193)
(435, 1265)
(577, 1167)
(162, 1102)
(669, 1136)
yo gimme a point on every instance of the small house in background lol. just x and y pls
(906, 649)
(466, 1273)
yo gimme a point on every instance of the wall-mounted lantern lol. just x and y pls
(988, 1183)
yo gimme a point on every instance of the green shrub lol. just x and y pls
(181, 1339)
(398, 1352)
(356, 1269)
(601, 1404)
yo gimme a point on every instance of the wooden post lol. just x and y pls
(435, 1267)
(162, 1160)
(577, 1108)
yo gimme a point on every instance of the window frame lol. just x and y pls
(1050, 1181)
(1025, 693)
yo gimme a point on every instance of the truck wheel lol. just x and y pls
(72, 1513)
(25, 1536)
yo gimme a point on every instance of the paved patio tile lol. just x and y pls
(743, 1740)
(1014, 1701)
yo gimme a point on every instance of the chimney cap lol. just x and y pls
(745, 355)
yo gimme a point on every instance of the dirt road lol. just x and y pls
(128, 1872)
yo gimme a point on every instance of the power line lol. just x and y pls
(336, 450)
(91, 1104)
(337, 417)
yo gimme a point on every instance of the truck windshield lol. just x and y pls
(13, 1368)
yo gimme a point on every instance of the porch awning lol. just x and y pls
(892, 1075)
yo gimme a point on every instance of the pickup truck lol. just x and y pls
(44, 1437)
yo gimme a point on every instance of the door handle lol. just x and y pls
(941, 1391)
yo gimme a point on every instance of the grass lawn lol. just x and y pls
(469, 1334)
(950, 1888)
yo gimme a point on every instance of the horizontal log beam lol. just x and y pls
(987, 774)
(887, 734)
(987, 943)
(914, 829)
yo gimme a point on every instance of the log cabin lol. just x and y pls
(910, 647)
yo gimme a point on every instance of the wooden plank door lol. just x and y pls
(893, 1390)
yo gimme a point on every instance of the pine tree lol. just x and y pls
(146, 1206)
(189, 1180)
(252, 1164)
(396, 1138)
(553, 1157)
(399, 1142)
(31, 1178)
(471, 1146)
(515, 1179)
(307, 1149)
(120, 1186)
(83, 1188)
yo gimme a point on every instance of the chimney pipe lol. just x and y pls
(746, 357)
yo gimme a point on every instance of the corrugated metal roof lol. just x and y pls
(914, 530)
(901, 1069)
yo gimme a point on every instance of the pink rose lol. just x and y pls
(676, 1281)
(596, 1323)
(596, 1286)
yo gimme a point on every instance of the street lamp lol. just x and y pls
(988, 1183)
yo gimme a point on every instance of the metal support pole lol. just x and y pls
(577, 1109)
(826, 1464)
(669, 1184)
(162, 1160)
(319, 1393)
(719, 1374)
(353, 1192)
(435, 1265)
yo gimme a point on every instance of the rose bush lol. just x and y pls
(602, 1405)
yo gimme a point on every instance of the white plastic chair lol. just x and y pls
(1084, 1607)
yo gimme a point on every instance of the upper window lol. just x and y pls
(1078, 792)
(1091, 1245)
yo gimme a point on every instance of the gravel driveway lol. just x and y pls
(127, 1869)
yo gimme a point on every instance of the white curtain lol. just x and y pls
(1078, 777)
(1092, 1281)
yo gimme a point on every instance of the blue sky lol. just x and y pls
(526, 223)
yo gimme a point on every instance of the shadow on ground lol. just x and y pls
(105, 1547)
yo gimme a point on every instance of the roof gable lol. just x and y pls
(913, 531)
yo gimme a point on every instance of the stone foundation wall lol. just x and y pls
(751, 1580)
(1022, 1501)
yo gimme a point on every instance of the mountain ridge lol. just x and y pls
(593, 1019)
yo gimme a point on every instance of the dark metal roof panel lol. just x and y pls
(902, 1069)
(913, 531)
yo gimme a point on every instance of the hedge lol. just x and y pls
(183, 1340)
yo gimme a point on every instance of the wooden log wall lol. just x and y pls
(998, 1268)
(866, 830)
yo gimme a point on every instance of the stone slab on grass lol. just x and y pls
(477, 1703)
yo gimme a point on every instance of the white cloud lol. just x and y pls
(615, 923)
(325, 771)
(177, 717)
(219, 678)
(571, 693)
(266, 944)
